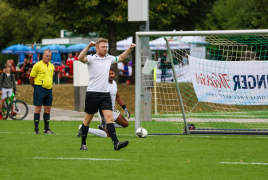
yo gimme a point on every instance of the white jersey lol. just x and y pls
(113, 92)
(98, 70)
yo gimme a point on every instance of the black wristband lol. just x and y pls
(123, 106)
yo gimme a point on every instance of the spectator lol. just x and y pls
(12, 65)
(163, 67)
(69, 63)
(130, 68)
(125, 71)
(26, 67)
(76, 56)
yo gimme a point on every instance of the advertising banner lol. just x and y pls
(230, 82)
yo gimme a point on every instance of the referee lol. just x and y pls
(41, 78)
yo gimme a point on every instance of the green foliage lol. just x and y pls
(238, 14)
(20, 26)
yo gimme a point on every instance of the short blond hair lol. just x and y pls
(100, 41)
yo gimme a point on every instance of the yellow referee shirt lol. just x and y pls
(43, 74)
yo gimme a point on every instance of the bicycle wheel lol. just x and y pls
(4, 110)
(17, 110)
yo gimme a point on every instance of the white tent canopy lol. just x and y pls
(160, 44)
(124, 44)
(191, 39)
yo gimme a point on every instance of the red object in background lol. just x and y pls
(19, 81)
(69, 63)
(128, 81)
(61, 69)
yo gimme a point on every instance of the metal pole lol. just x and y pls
(177, 87)
(202, 33)
(137, 82)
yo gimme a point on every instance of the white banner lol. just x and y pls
(230, 82)
(182, 72)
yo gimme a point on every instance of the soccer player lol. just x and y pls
(120, 121)
(41, 78)
(97, 95)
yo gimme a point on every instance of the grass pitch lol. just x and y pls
(24, 155)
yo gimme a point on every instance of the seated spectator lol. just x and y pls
(76, 56)
(26, 67)
(69, 62)
(11, 63)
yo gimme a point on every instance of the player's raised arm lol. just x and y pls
(124, 55)
(82, 56)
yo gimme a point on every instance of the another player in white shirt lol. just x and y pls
(97, 95)
(119, 120)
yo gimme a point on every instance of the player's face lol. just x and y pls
(47, 57)
(111, 75)
(102, 49)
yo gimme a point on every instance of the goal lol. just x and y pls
(204, 82)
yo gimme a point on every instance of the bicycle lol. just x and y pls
(15, 109)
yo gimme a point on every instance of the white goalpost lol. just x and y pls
(205, 82)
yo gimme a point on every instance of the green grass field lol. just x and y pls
(24, 155)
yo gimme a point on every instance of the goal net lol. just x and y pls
(202, 82)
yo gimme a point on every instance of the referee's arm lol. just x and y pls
(125, 54)
(82, 56)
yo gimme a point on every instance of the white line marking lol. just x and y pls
(244, 163)
(88, 159)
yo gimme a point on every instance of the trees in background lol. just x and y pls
(237, 14)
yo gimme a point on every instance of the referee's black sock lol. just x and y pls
(111, 131)
(46, 117)
(36, 119)
(84, 133)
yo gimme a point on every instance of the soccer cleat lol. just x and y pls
(100, 127)
(13, 113)
(79, 132)
(48, 132)
(83, 147)
(120, 145)
(1, 117)
(36, 131)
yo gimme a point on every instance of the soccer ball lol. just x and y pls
(141, 132)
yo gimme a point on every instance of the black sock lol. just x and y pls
(46, 117)
(36, 120)
(84, 133)
(111, 130)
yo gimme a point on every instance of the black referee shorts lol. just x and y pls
(97, 101)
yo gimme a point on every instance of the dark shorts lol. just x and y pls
(97, 101)
(42, 96)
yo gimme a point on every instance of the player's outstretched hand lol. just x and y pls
(132, 46)
(126, 112)
(91, 44)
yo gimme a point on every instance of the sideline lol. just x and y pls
(88, 159)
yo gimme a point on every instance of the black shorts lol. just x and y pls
(97, 101)
(42, 96)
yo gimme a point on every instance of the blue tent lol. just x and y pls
(21, 59)
(56, 59)
(35, 57)
(80, 47)
(54, 49)
(18, 49)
